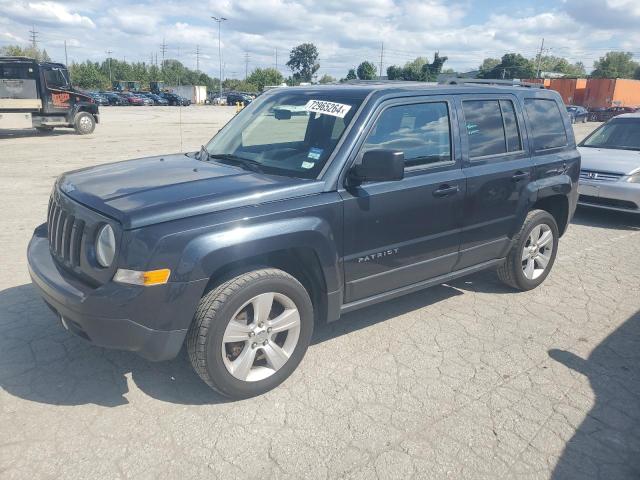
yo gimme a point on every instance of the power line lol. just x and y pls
(163, 49)
(33, 33)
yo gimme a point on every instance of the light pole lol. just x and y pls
(109, 52)
(219, 20)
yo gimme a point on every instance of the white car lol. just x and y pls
(610, 171)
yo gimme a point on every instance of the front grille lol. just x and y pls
(608, 202)
(65, 234)
(598, 176)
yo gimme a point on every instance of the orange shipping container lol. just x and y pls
(572, 90)
(612, 92)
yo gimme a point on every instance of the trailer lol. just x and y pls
(40, 95)
(612, 92)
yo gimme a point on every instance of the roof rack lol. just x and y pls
(490, 81)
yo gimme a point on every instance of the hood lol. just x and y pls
(159, 189)
(624, 162)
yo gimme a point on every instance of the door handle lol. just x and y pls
(446, 190)
(520, 176)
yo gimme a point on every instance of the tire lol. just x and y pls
(516, 270)
(84, 123)
(584, 119)
(218, 361)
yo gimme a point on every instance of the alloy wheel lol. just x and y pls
(537, 251)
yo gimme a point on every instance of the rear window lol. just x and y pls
(546, 123)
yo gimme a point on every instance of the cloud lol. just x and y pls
(605, 14)
(52, 13)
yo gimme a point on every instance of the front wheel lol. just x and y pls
(251, 332)
(84, 123)
(533, 252)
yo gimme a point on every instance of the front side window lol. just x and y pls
(492, 127)
(546, 123)
(421, 131)
(289, 133)
(55, 78)
(620, 134)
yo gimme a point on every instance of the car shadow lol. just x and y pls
(32, 132)
(42, 362)
(607, 443)
(611, 219)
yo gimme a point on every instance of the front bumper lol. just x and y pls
(151, 321)
(619, 195)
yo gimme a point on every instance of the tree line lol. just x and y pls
(304, 65)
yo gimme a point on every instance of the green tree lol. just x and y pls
(430, 71)
(615, 65)
(366, 71)
(18, 51)
(488, 64)
(351, 74)
(303, 62)
(550, 63)
(265, 76)
(326, 79)
(88, 75)
(512, 65)
(418, 70)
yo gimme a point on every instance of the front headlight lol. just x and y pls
(634, 178)
(105, 246)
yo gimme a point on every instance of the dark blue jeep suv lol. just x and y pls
(310, 203)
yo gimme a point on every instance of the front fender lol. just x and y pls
(207, 253)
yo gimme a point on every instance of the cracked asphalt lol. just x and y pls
(463, 381)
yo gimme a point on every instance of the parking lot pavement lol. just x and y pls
(465, 380)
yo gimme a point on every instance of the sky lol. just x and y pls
(261, 33)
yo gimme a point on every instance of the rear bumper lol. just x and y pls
(114, 315)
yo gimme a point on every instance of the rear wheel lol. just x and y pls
(84, 123)
(251, 332)
(533, 252)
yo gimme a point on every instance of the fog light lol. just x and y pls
(147, 279)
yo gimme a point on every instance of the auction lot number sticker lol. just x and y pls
(328, 108)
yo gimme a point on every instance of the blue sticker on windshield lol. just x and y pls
(314, 153)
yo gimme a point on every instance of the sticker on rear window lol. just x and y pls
(328, 108)
(314, 153)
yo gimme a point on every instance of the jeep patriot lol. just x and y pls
(311, 202)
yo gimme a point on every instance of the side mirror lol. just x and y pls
(379, 166)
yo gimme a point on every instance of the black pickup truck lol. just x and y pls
(40, 95)
(312, 202)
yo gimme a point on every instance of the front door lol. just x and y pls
(498, 168)
(398, 233)
(58, 97)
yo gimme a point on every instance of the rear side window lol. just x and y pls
(420, 130)
(546, 123)
(492, 127)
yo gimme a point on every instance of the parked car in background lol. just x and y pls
(98, 98)
(113, 98)
(577, 113)
(237, 97)
(156, 99)
(132, 99)
(175, 100)
(610, 173)
(604, 114)
(145, 100)
(217, 99)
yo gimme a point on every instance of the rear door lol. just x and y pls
(498, 169)
(398, 233)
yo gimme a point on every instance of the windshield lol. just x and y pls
(622, 133)
(290, 132)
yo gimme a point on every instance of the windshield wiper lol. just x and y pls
(246, 163)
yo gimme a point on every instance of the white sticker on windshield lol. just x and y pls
(328, 108)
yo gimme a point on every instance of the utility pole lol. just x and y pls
(109, 52)
(381, 57)
(163, 49)
(246, 64)
(33, 33)
(198, 58)
(276, 59)
(219, 20)
(66, 59)
(540, 59)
